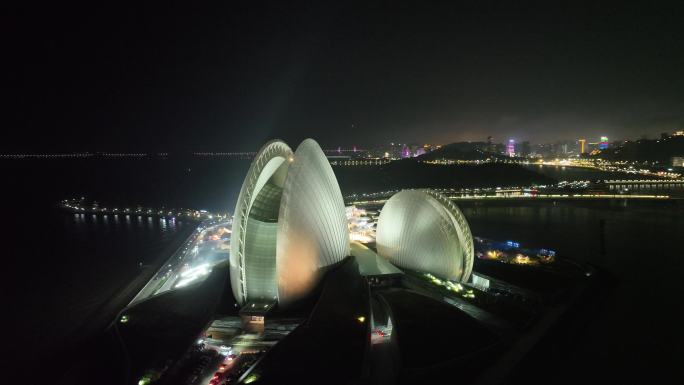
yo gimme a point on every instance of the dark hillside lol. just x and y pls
(410, 173)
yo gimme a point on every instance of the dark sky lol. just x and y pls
(118, 77)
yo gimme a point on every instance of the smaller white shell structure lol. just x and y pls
(289, 223)
(423, 230)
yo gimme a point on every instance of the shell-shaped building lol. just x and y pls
(423, 230)
(289, 223)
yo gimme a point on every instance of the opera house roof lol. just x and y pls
(289, 222)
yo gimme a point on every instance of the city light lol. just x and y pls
(251, 378)
(361, 224)
(510, 149)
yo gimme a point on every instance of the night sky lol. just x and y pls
(118, 77)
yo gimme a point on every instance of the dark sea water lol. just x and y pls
(61, 269)
(637, 333)
(68, 266)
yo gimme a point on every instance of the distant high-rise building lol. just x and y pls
(678, 161)
(603, 144)
(510, 149)
(525, 149)
(405, 152)
(582, 142)
(490, 144)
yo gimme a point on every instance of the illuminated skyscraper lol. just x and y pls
(603, 144)
(405, 152)
(510, 149)
(582, 142)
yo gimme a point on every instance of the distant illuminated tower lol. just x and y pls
(406, 153)
(510, 149)
(582, 142)
(603, 144)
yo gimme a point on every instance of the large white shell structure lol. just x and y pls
(289, 223)
(423, 230)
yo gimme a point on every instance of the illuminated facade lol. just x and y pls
(510, 148)
(289, 223)
(361, 225)
(423, 230)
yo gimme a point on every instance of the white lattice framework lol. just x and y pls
(272, 152)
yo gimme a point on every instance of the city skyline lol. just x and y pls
(356, 146)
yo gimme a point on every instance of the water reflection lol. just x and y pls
(78, 218)
(639, 247)
(577, 173)
(617, 234)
